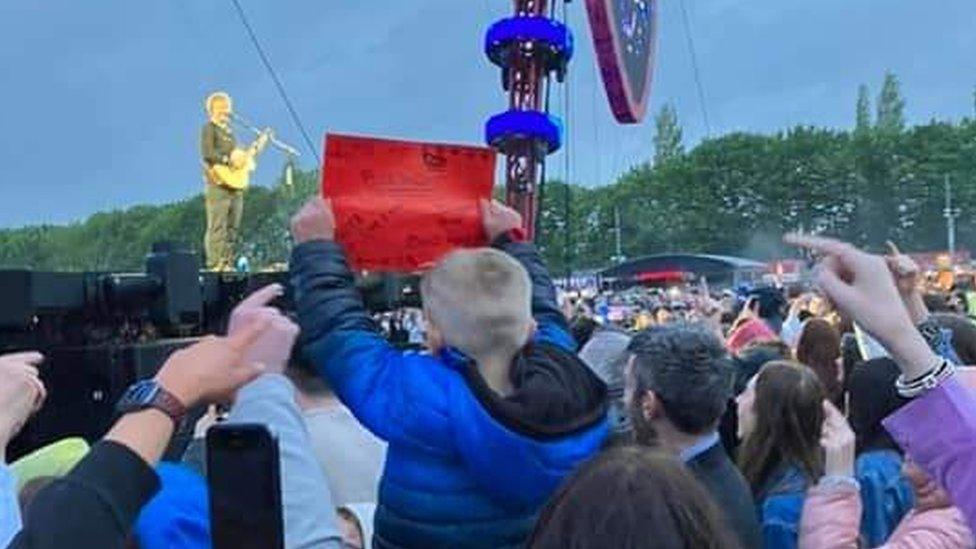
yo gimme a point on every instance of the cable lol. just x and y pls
(596, 127)
(277, 82)
(541, 193)
(694, 67)
(567, 149)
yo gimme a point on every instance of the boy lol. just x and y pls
(481, 431)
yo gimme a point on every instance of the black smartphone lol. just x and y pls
(245, 487)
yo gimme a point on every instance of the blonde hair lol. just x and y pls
(481, 302)
(215, 96)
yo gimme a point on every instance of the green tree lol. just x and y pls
(891, 106)
(734, 194)
(863, 122)
(668, 136)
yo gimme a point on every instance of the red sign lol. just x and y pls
(402, 205)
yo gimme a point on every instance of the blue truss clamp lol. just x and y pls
(555, 39)
(505, 130)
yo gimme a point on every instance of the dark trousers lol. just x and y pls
(224, 209)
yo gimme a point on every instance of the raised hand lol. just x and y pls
(838, 442)
(904, 269)
(315, 221)
(861, 285)
(273, 347)
(21, 392)
(907, 276)
(498, 218)
(213, 369)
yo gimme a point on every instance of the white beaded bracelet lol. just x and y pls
(927, 382)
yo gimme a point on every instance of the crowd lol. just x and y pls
(840, 416)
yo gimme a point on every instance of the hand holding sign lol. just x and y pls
(498, 218)
(315, 221)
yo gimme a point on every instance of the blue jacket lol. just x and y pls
(885, 494)
(780, 505)
(465, 467)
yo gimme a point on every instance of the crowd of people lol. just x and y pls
(839, 415)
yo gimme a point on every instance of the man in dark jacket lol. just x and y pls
(483, 430)
(678, 383)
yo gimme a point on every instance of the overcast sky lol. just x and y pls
(102, 100)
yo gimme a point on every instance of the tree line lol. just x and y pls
(734, 194)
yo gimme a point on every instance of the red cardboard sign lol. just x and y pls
(402, 205)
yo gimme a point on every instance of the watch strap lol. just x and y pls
(167, 403)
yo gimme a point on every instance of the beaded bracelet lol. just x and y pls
(926, 382)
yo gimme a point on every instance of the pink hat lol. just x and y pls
(749, 331)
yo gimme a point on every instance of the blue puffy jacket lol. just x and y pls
(780, 505)
(885, 494)
(465, 467)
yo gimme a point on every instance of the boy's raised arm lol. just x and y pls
(380, 385)
(502, 225)
(325, 293)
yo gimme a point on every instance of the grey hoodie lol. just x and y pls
(309, 514)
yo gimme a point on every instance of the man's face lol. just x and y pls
(220, 110)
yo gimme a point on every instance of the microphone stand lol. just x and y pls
(284, 147)
(290, 151)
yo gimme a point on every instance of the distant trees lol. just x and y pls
(667, 136)
(733, 194)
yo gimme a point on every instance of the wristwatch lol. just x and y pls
(147, 394)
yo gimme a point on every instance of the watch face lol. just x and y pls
(140, 394)
(625, 37)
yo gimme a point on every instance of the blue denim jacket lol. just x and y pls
(885, 494)
(780, 507)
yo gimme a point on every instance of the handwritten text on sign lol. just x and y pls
(402, 205)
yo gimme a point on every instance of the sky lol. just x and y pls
(101, 102)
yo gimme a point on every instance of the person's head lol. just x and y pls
(963, 335)
(351, 529)
(178, 515)
(679, 378)
(770, 303)
(819, 348)
(754, 356)
(748, 332)
(780, 419)
(582, 328)
(479, 302)
(606, 354)
(626, 497)
(936, 302)
(219, 107)
(873, 397)
(662, 315)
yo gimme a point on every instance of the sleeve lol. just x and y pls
(399, 397)
(935, 529)
(308, 509)
(208, 146)
(779, 535)
(938, 432)
(104, 494)
(9, 508)
(553, 326)
(831, 518)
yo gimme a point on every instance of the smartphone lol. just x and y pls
(245, 487)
